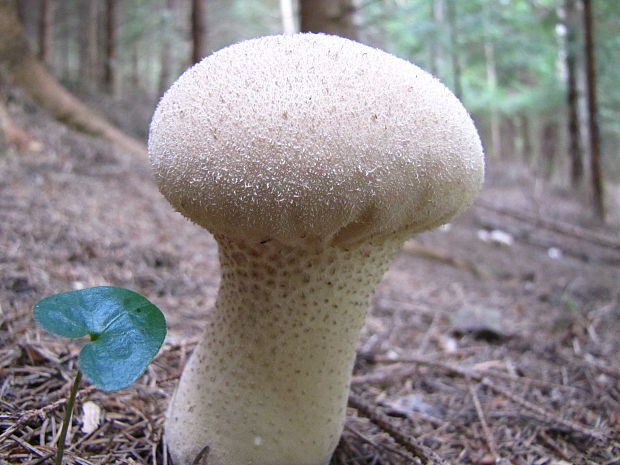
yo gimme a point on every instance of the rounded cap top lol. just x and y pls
(310, 137)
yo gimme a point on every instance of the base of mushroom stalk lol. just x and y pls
(269, 381)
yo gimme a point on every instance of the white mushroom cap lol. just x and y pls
(312, 138)
(310, 158)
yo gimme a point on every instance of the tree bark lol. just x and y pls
(63, 46)
(436, 49)
(336, 17)
(572, 95)
(507, 137)
(109, 74)
(598, 194)
(24, 69)
(491, 72)
(88, 43)
(134, 77)
(199, 30)
(496, 133)
(454, 48)
(549, 146)
(46, 28)
(526, 141)
(165, 71)
(287, 15)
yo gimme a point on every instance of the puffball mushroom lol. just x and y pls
(310, 158)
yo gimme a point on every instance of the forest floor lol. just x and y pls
(491, 340)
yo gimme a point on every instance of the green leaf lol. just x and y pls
(125, 329)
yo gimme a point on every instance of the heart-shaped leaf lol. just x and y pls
(125, 329)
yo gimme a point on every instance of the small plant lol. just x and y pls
(125, 331)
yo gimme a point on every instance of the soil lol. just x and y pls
(491, 340)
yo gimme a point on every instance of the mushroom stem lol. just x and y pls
(269, 381)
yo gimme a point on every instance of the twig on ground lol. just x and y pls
(415, 248)
(345, 450)
(550, 417)
(475, 374)
(559, 227)
(202, 456)
(375, 415)
(379, 447)
(484, 380)
(28, 415)
(41, 460)
(554, 446)
(488, 434)
(27, 446)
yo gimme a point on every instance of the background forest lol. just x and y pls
(520, 66)
(493, 340)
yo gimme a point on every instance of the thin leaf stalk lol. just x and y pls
(60, 445)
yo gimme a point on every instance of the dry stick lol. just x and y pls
(476, 375)
(28, 415)
(608, 370)
(376, 446)
(488, 434)
(347, 450)
(100, 431)
(554, 446)
(381, 420)
(202, 456)
(555, 226)
(470, 374)
(43, 459)
(27, 446)
(164, 453)
(465, 373)
(551, 418)
(415, 248)
(154, 453)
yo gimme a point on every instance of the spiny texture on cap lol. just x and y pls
(308, 138)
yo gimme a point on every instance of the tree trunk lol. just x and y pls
(63, 45)
(598, 195)
(134, 78)
(165, 72)
(572, 95)
(25, 70)
(336, 17)
(549, 146)
(109, 74)
(496, 133)
(288, 18)
(507, 137)
(454, 48)
(491, 72)
(199, 31)
(527, 151)
(436, 50)
(46, 28)
(88, 43)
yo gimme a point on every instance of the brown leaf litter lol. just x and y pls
(540, 384)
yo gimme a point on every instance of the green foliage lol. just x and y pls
(521, 43)
(607, 21)
(520, 33)
(125, 331)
